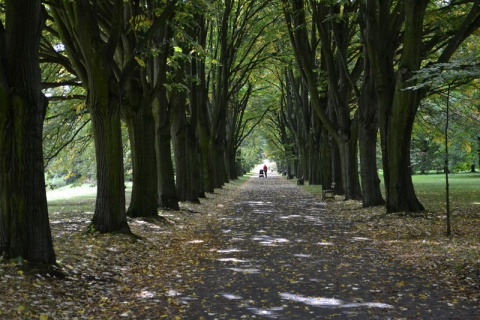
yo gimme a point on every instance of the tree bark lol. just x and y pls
(141, 129)
(315, 172)
(185, 152)
(207, 166)
(24, 225)
(397, 114)
(167, 191)
(368, 129)
(110, 214)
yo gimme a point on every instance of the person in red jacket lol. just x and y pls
(265, 170)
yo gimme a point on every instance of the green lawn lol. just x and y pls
(464, 190)
(78, 199)
(430, 189)
(81, 199)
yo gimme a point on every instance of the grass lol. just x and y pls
(430, 190)
(81, 199)
(464, 191)
(70, 199)
(76, 199)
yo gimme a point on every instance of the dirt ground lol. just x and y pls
(281, 254)
(264, 249)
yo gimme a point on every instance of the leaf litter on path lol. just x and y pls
(264, 249)
(287, 255)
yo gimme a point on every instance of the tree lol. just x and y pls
(331, 48)
(91, 50)
(419, 39)
(187, 97)
(368, 129)
(237, 54)
(24, 226)
(143, 54)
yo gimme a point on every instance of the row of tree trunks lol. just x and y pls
(139, 123)
(338, 124)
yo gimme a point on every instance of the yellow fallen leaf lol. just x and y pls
(43, 317)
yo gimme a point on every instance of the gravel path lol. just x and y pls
(281, 255)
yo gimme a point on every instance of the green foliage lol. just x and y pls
(69, 150)
(428, 142)
(439, 75)
(67, 140)
(250, 152)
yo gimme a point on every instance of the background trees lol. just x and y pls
(396, 38)
(332, 95)
(182, 97)
(338, 34)
(397, 107)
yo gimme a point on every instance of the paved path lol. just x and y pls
(282, 256)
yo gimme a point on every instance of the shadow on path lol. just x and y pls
(281, 255)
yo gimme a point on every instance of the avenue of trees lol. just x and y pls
(183, 96)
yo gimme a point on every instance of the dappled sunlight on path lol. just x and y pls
(281, 255)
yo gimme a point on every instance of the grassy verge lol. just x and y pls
(421, 242)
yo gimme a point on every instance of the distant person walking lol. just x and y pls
(265, 170)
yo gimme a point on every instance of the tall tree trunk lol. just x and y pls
(326, 164)
(337, 163)
(24, 225)
(167, 191)
(315, 160)
(368, 129)
(207, 166)
(218, 139)
(109, 215)
(220, 171)
(220, 99)
(232, 162)
(141, 129)
(104, 106)
(92, 53)
(196, 190)
(397, 117)
(185, 152)
(349, 164)
(198, 101)
(141, 86)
